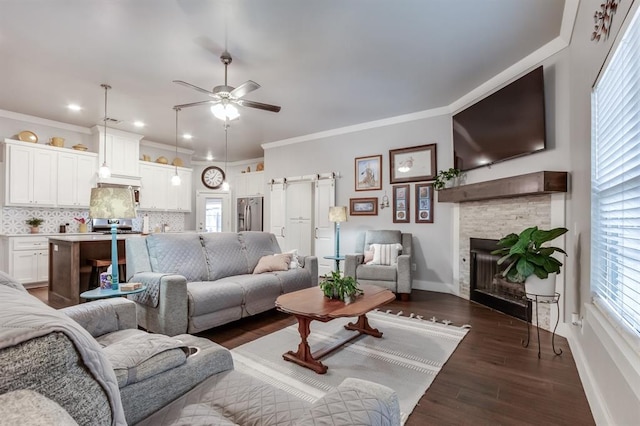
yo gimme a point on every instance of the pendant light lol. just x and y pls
(225, 184)
(104, 171)
(175, 179)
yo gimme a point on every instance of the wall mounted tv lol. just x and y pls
(506, 124)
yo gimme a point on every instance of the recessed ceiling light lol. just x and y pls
(187, 136)
(74, 107)
(138, 123)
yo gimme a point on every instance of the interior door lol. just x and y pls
(299, 211)
(213, 211)
(277, 213)
(324, 232)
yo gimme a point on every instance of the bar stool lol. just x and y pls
(101, 265)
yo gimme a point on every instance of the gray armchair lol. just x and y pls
(395, 277)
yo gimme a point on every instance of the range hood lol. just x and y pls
(122, 153)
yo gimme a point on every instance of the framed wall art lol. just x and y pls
(401, 204)
(424, 203)
(363, 206)
(413, 164)
(368, 173)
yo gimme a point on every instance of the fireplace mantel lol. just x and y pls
(517, 186)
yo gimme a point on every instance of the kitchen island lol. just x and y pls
(68, 269)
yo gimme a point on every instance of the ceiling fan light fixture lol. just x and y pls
(225, 111)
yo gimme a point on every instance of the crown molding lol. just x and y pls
(43, 121)
(165, 147)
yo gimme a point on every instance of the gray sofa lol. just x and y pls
(196, 281)
(55, 370)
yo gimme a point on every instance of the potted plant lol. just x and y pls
(445, 176)
(344, 288)
(34, 223)
(529, 262)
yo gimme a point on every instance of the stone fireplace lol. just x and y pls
(489, 220)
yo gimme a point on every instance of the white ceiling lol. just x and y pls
(329, 64)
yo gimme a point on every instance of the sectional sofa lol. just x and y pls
(90, 365)
(196, 281)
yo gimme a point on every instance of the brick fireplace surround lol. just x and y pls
(495, 218)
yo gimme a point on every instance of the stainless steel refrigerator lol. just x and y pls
(249, 211)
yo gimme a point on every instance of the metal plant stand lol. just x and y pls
(537, 298)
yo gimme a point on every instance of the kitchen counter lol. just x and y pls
(49, 234)
(93, 236)
(69, 270)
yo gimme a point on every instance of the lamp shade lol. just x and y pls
(112, 203)
(338, 214)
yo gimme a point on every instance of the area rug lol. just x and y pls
(407, 358)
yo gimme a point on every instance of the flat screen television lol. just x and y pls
(506, 124)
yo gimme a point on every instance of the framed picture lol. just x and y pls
(401, 202)
(413, 164)
(424, 203)
(368, 173)
(363, 206)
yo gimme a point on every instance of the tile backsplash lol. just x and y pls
(13, 219)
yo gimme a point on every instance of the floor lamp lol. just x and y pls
(112, 204)
(336, 215)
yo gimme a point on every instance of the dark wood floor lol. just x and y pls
(489, 380)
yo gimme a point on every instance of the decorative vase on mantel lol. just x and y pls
(534, 286)
(34, 229)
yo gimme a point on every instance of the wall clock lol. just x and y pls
(213, 177)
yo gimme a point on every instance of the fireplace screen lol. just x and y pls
(489, 288)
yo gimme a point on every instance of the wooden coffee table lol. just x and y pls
(311, 304)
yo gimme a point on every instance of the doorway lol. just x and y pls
(213, 211)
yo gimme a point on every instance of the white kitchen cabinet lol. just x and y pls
(29, 259)
(76, 177)
(249, 184)
(122, 151)
(30, 174)
(157, 192)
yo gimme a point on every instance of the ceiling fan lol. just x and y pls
(225, 96)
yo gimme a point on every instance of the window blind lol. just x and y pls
(615, 182)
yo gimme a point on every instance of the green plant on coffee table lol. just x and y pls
(34, 222)
(445, 176)
(525, 255)
(340, 287)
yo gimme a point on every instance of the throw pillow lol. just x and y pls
(294, 259)
(368, 257)
(277, 262)
(385, 254)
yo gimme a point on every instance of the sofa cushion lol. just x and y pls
(294, 279)
(225, 255)
(180, 254)
(232, 398)
(137, 355)
(377, 272)
(211, 296)
(9, 281)
(258, 244)
(273, 262)
(259, 291)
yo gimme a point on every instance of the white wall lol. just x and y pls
(432, 245)
(608, 365)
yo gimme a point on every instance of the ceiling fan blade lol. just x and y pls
(259, 105)
(244, 88)
(199, 89)
(192, 104)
